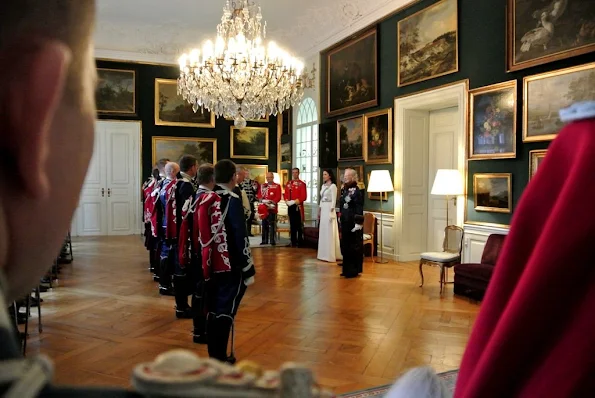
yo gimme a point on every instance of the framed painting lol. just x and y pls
(492, 121)
(541, 31)
(284, 177)
(204, 149)
(350, 140)
(249, 143)
(286, 154)
(352, 75)
(378, 128)
(116, 92)
(172, 110)
(535, 159)
(492, 192)
(427, 43)
(327, 142)
(376, 195)
(545, 94)
(360, 176)
(257, 172)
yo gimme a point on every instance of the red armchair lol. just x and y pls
(471, 280)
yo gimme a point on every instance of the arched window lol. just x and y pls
(306, 147)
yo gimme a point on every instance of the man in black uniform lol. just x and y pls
(182, 277)
(226, 289)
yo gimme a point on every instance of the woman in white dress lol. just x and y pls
(329, 246)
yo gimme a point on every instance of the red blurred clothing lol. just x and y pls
(535, 332)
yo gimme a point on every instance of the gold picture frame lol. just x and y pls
(174, 147)
(384, 119)
(257, 172)
(181, 113)
(535, 159)
(503, 112)
(492, 192)
(284, 177)
(249, 143)
(352, 149)
(447, 12)
(361, 51)
(531, 21)
(125, 80)
(376, 195)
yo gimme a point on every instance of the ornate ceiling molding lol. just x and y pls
(303, 31)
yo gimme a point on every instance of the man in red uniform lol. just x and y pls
(295, 196)
(269, 194)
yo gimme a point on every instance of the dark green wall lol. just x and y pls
(482, 60)
(145, 107)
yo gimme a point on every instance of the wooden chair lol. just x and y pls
(369, 223)
(448, 257)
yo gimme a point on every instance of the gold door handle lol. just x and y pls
(102, 192)
(109, 192)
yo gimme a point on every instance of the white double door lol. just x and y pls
(110, 199)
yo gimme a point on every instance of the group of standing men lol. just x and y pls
(269, 197)
(195, 231)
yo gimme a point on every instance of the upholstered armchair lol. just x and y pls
(471, 280)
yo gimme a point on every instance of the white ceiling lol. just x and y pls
(160, 30)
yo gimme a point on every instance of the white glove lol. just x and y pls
(249, 281)
(290, 202)
(357, 227)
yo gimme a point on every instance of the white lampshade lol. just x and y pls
(380, 181)
(448, 182)
(276, 178)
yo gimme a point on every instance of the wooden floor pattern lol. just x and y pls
(106, 316)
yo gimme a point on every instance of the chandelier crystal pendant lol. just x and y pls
(236, 77)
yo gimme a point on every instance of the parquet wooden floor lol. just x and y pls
(106, 316)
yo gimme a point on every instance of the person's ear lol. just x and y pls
(34, 86)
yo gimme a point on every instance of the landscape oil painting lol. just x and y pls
(542, 31)
(378, 136)
(352, 81)
(492, 192)
(428, 43)
(250, 143)
(257, 172)
(492, 110)
(115, 92)
(545, 94)
(286, 154)
(350, 138)
(173, 148)
(172, 110)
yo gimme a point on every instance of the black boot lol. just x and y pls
(199, 320)
(218, 330)
(265, 234)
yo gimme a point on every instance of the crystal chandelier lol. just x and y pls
(236, 77)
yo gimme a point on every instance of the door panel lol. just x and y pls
(91, 217)
(442, 155)
(122, 147)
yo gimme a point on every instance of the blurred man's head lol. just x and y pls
(48, 114)
(206, 175)
(171, 170)
(295, 173)
(240, 174)
(161, 166)
(189, 165)
(225, 173)
(270, 177)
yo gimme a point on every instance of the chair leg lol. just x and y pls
(28, 301)
(421, 273)
(70, 245)
(442, 270)
(38, 298)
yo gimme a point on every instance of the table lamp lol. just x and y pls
(381, 182)
(448, 182)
